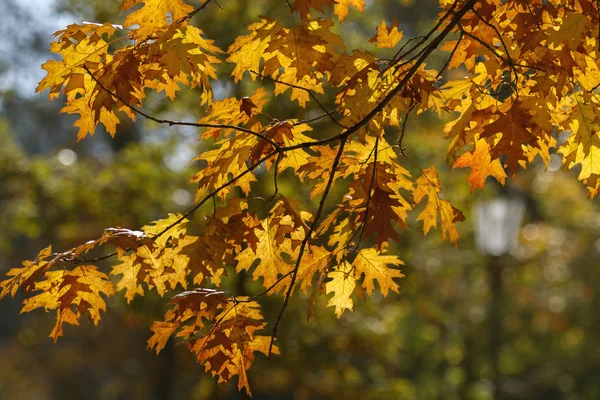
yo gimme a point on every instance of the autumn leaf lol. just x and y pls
(520, 82)
(374, 266)
(387, 37)
(154, 15)
(25, 277)
(428, 185)
(228, 348)
(82, 288)
(481, 164)
(273, 242)
(341, 7)
(342, 286)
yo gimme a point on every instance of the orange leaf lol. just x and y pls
(481, 165)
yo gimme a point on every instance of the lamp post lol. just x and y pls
(496, 224)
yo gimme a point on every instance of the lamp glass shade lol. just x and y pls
(496, 224)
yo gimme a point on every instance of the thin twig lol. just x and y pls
(508, 62)
(304, 243)
(508, 57)
(217, 190)
(194, 12)
(275, 173)
(306, 121)
(363, 224)
(403, 127)
(93, 260)
(310, 93)
(441, 71)
(179, 123)
(399, 55)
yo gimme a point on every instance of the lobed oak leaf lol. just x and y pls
(342, 286)
(247, 51)
(144, 266)
(272, 244)
(247, 106)
(193, 306)
(387, 37)
(172, 227)
(481, 164)
(229, 158)
(517, 121)
(153, 16)
(228, 348)
(122, 239)
(130, 268)
(341, 7)
(572, 30)
(303, 7)
(234, 112)
(296, 56)
(25, 278)
(162, 332)
(206, 257)
(316, 261)
(82, 287)
(374, 266)
(428, 185)
(87, 51)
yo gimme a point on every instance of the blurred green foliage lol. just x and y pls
(432, 341)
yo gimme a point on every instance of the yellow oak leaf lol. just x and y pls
(342, 285)
(25, 277)
(573, 30)
(428, 185)
(374, 266)
(297, 56)
(234, 112)
(228, 348)
(387, 37)
(88, 51)
(172, 227)
(154, 16)
(315, 261)
(247, 51)
(272, 243)
(82, 287)
(143, 266)
(341, 7)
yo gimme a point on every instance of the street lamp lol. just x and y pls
(496, 224)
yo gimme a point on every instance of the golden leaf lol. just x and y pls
(342, 285)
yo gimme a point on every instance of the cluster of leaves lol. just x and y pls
(531, 73)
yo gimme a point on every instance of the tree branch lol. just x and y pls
(179, 123)
(310, 93)
(363, 224)
(311, 229)
(195, 11)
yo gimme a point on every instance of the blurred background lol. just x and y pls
(499, 317)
